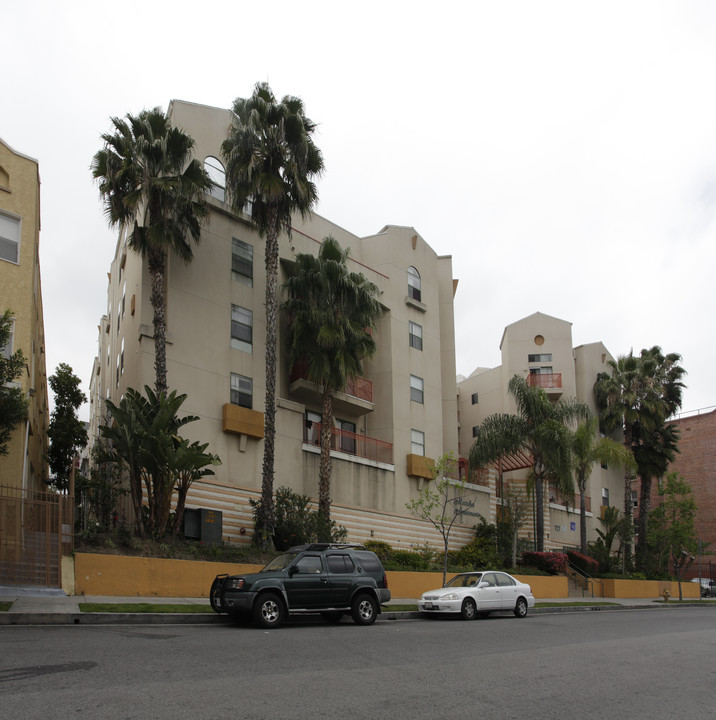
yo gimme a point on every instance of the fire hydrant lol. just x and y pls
(665, 594)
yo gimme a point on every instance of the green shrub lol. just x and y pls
(380, 548)
(582, 562)
(407, 560)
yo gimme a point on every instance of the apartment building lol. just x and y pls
(24, 467)
(387, 426)
(538, 348)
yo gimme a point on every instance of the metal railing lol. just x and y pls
(351, 443)
(582, 579)
(545, 380)
(359, 387)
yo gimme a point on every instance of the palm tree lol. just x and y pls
(587, 450)
(636, 397)
(270, 162)
(539, 429)
(150, 185)
(332, 314)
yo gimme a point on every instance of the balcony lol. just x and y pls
(356, 399)
(550, 382)
(242, 421)
(351, 443)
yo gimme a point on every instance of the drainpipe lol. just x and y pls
(24, 455)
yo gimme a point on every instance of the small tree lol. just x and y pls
(67, 433)
(672, 527)
(516, 510)
(97, 493)
(13, 403)
(441, 502)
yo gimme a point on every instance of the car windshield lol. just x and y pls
(464, 581)
(281, 562)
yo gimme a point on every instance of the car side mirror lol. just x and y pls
(483, 583)
(292, 570)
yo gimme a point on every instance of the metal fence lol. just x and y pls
(36, 530)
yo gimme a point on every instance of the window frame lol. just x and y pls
(237, 341)
(415, 289)
(239, 260)
(216, 172)
(16, 222)
(417, 442)
(235, 399)
(417, 392)
(415, 338)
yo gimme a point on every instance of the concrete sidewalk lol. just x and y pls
(51, 606)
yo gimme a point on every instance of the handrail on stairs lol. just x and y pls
(583, 579)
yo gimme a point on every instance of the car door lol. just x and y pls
(489, 592)
(341, 573)
(306, 583)
(508, 591)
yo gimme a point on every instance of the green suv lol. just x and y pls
(325, 579)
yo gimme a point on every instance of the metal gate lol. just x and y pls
(35, 532)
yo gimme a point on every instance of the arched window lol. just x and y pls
(216, 172)
(413, 284)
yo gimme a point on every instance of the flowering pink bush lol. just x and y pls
(553, 563)
(583, 562)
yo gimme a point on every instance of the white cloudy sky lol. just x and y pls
(564, 153)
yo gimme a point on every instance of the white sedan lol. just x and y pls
(477, 594)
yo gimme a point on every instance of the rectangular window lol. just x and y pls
(542, 371)
(9, 239)
(417, 442)
(242, 390)
(242, 262)
(474, 397)
(544, 357)
(634, 499)
(605, 496)
(416, 389)
(242, 321)
(475, 430)
(416, 336)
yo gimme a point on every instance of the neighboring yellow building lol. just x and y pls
(25, 465)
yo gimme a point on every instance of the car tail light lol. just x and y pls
(385, 580)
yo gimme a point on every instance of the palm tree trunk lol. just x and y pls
(267, 502)
(324, 474)
(157, 270)
(642, 550)
(628, 442)
(582, 517)
(539, 470)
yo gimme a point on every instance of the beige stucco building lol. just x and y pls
(387, 425)
(539, 348)
(20, 291)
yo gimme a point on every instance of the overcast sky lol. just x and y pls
(564, 153)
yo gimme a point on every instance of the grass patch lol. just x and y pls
(400, 608)
(143, 608)
(5, 606)
(572, 604)
(688, 601)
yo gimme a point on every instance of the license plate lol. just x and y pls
(428, 606)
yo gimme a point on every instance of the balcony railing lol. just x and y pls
(546, 380)
(359, 387)
(351, 443)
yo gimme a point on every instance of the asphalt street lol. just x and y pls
(630, 663)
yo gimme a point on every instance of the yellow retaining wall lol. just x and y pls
(647, 588)
(127, 576)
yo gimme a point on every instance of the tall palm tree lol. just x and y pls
(270, 162)
(539, 429)
(151, 186)
(332, 314)
(636, 397)
(587, 450)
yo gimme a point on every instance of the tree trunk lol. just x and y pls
(157, 270)
(324, 474)
(539, 470)
(582, 517)
(642, 549)
(267, 501)
(628, 440)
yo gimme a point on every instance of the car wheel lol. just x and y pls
(332, 617)
(269, 611)
(520, 608)
(468, 611)
(214, 597)
(364, 609)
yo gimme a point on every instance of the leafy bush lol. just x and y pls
(380, 548)
(406, 560)
(553, 563)
(583, 562)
